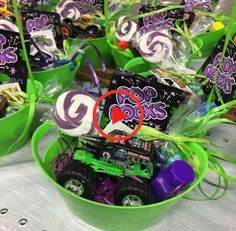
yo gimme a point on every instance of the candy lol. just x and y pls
(122, 45)
(68, 9)
(12, 62)
(73, 113)
(126, 30)
(220, 70)
(158, 100)
(155, 46)
(37, 20)
(216, 26)
(8, 25)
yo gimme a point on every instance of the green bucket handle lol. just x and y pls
(36, 139)
(75, 63)
(32, 106)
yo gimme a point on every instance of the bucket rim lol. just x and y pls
(206, 35)
(14, 114)
(57, 68)
(88, 40)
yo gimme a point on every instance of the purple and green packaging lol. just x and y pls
(12, 60)
(73, 9)
(166, 19)
(163, 20)
(191, 5)
(220, 70)
(158, 100)
(35, 20)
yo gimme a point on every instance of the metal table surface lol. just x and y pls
(27, 194)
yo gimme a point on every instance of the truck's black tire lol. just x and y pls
(79, 179)
(129, 188)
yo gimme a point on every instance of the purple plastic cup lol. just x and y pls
(172, 180)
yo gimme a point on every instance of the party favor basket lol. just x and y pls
(108, 217)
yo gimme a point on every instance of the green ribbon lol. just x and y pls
(221, 183)
(19, 25)
(200, 125)
(185, 33)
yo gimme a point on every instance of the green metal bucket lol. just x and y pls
(65, 74)
(103, 47)
(15, 129)
(108, 217)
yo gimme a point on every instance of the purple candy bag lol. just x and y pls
(12, 61)
(223, 77)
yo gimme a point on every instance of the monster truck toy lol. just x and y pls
(130, 161)
(82, 28)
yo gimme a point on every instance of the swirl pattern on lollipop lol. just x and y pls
(8, 25)
(68, 9)
(73, 113)
(155, 46)
(126, 30)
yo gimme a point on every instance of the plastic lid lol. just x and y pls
(183, 172)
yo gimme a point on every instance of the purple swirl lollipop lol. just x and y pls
(126, 30)
(8, 25)
(155, 46)
(73, 113)
(69, 9)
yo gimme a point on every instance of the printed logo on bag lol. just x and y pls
(157, 22)
(158, 100)
(146, 95)
(12, 60)
(160, 21)
(39, 23)
(220, 70)
(35, 20)
(222, 77)
(192, 4)
(73, 9)
(7, 55)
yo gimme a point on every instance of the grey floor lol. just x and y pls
(33, 204)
